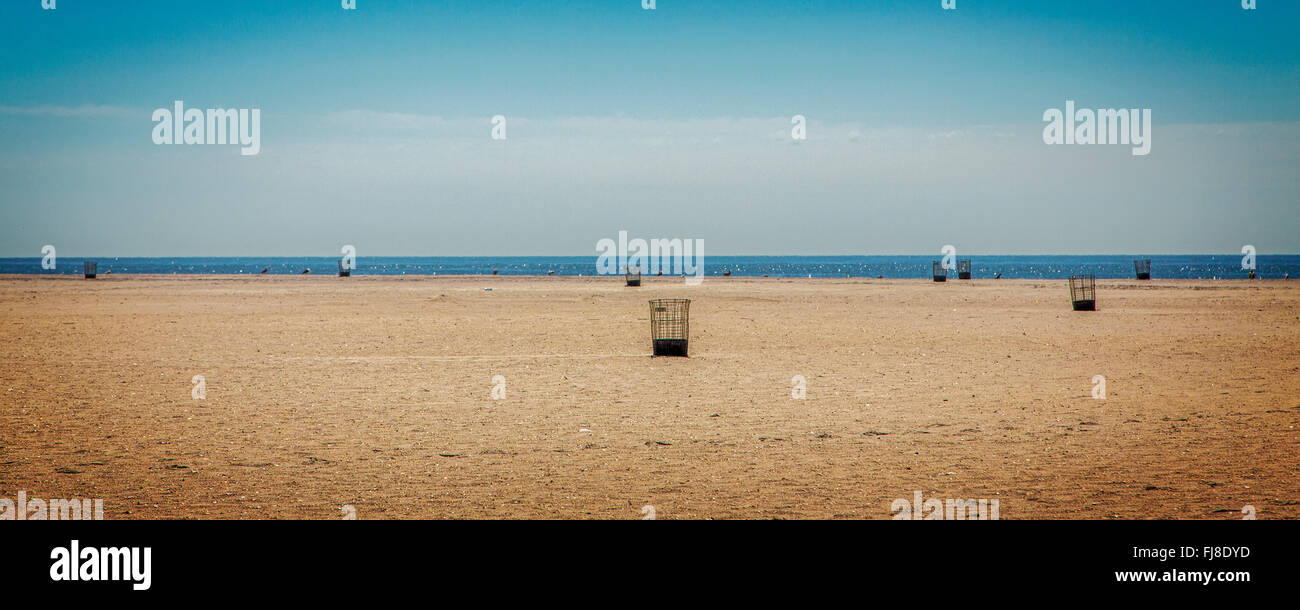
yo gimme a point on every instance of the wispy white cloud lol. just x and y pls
(656, 131)
(85, 110)
(412, 183)
(380, 121)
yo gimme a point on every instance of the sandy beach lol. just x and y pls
(376, 393)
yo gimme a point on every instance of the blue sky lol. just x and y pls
(924, 126)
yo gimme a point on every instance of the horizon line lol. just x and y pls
(940, 255)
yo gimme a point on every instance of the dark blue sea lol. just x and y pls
(1198, 266)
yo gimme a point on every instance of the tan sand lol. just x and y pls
(376, 393)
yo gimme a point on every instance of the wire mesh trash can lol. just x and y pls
(963, 269)
(344, 270)
(633, 275)
(1143, 269)
(670, 328)
(1083, 292)
(91, 268)
(940, 274)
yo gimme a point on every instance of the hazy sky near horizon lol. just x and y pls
(924, 126)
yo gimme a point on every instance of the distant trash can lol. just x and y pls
(940, 274)
(1083, 292)
(1143, 269)
(670, 326)
(963, 269)
(91, 268)
(633, 275)
(344, 270)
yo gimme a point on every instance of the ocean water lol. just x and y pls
(1197, 266)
